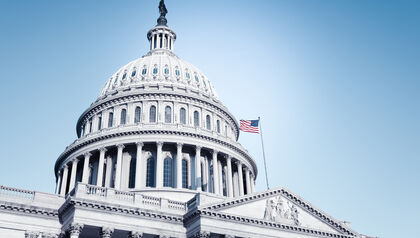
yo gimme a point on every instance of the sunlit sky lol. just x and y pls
(336, 84)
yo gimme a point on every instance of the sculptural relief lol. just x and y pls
(276, 209)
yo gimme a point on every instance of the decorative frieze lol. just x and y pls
(106, 232)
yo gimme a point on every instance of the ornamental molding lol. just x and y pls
(72, 204)
(103, 104)
(298, 201)
(74, 147)
(200, 214)
(29, 210)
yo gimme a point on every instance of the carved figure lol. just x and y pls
(295, 215)
(277, 210)
(162, 8)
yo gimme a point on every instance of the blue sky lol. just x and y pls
(335, 82)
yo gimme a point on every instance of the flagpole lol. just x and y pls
(262, 144)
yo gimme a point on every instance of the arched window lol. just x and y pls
(144, 71)
(150, 172)
(137, 115)
(183, 116)
(177, 72)
(99, 121)
(90, 125)
(224, 183)
(187, 75)
(124, 76)
(166, 71)
(110, 119)
(208, 122)
(167, 172)
(168, 114)
(184, 173)
(196, 119)
(155, 70)
(123, 117)
(152, 114)
(218, 126)
(196, 79)
(133, 73)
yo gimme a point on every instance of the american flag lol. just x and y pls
(249, 126)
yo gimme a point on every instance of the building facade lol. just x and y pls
(157, 156)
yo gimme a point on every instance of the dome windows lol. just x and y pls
(187, 75)
(196, 119)
(182, 116)
(177, 73)
(196, 79)
(166, 70)
(137, 115)
(111, 119)
(134, 72)
(123, 116)
(208, 122)
(144, 71)
(168, 114)
(152, 114)
(167, 172)
(124, 76)
(155, 70)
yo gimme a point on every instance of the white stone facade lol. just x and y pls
(157, 156)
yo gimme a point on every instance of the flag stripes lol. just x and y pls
(249, 126)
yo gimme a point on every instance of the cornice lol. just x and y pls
(77, 203)
(70, 149)
(198, 214)
(286, 193)
(29, 210)
(127, 95)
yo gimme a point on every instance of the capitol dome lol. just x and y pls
(158, 125)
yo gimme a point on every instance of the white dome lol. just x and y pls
(159, 66)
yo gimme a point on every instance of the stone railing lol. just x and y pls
(87, 191)
(16, 193)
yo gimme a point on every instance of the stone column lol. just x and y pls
(57, 188)
(219, 164)
(215, 173)
(117, 184)
(205, 174)
(252, 184)
(139, 162)
(135, 234)
(229, 175)
(73, 174)
(198, 168)
(248, 183)
(179, 165)
(100, 177)
(64, 180)
(241, 178)
(159, 165)
(75, 230)
(108, 171)
(106, 232)
(85, 177)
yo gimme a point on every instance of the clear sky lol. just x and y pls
(336, 83)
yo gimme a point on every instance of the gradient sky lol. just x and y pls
(335, 82)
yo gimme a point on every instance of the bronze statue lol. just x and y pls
(162, 8)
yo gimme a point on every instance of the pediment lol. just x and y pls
(281, 206)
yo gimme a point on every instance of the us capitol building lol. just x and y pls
(157, 156)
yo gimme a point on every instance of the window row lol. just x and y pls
(168, 118)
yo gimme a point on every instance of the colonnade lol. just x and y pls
(188, 166)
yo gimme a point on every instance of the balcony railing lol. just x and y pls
(110, 195)
(16, 193)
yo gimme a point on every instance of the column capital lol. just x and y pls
(106, 232)
(215, 151)
(227, 156)
(135, 234)
(31, 234)
(75, 160)
(140, 144)
(229, 236)
(65, 166)
(159, 143)
(120, 146)
(103, 149)
(238, 163)
(198, 148)
(179, 144)
(59, 172)
(75, 228)
(87, 154)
